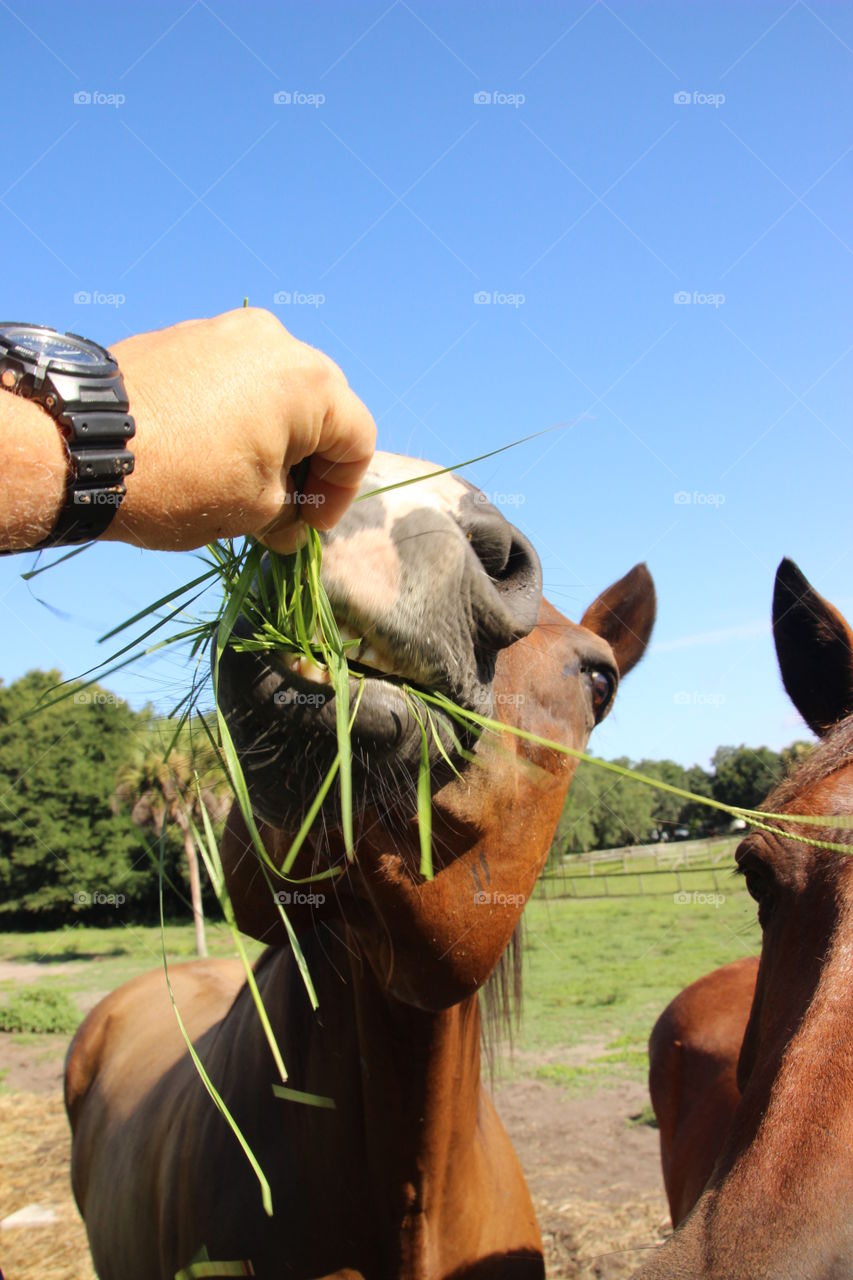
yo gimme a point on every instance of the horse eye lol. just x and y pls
(759, 885)
(602, 690)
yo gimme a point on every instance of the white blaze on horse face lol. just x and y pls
(441, 491)
(368, 563)
(361, 561)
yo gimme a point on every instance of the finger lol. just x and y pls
(287, 529)
(284, 537)
(346, 444)
(323, 503)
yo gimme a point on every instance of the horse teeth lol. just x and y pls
(372, 658)
(313, 671)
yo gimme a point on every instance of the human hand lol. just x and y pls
(224, 408)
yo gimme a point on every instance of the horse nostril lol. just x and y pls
(506, 580)
(491, 541)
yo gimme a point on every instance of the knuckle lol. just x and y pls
(326, 377)
(263, 320)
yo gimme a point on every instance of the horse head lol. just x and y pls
(446, 596)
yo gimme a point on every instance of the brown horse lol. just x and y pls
(752, 1075)
(693, 1055)
(411, 1174)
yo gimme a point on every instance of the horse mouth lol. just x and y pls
(281, 711)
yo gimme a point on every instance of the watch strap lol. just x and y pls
(98, 463)
(91, 412)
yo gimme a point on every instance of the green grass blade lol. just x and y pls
(469, 462)
(424, 799)
(158, 604)
(298, 954)
(228, 912)
(240, 589)
(201, 1267)
(266, 1193)
(340, 681)
(297, 1095)
(436, 737)
(308, 821)
(69, 555)
(333, 652)
(756, 817)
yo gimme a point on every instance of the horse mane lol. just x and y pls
(831, 754)
(501, 1000)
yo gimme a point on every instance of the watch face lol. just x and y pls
(33, 342)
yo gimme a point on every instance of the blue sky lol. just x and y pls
(536, 155)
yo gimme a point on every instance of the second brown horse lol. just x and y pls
(751, 1067)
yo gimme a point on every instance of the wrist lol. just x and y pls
(147, 496)
(34, 474)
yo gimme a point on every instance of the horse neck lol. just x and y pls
(421, 1093)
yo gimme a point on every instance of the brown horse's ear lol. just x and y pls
(814, 646)
(624, 615)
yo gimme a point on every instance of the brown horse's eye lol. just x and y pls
(602, 691)
(760, 884)
(757, 884)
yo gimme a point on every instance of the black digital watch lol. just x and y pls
(80, 386)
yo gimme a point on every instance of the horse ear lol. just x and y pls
(624, 615)
(814, 646)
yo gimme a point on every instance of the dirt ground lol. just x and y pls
(594, 1177)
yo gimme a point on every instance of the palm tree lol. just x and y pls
(172, 788)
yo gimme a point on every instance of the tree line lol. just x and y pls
(88, 786)
(604, 811)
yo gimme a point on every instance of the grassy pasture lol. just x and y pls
(599, 971)
(596, 974)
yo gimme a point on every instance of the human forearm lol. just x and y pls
(224, 409)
